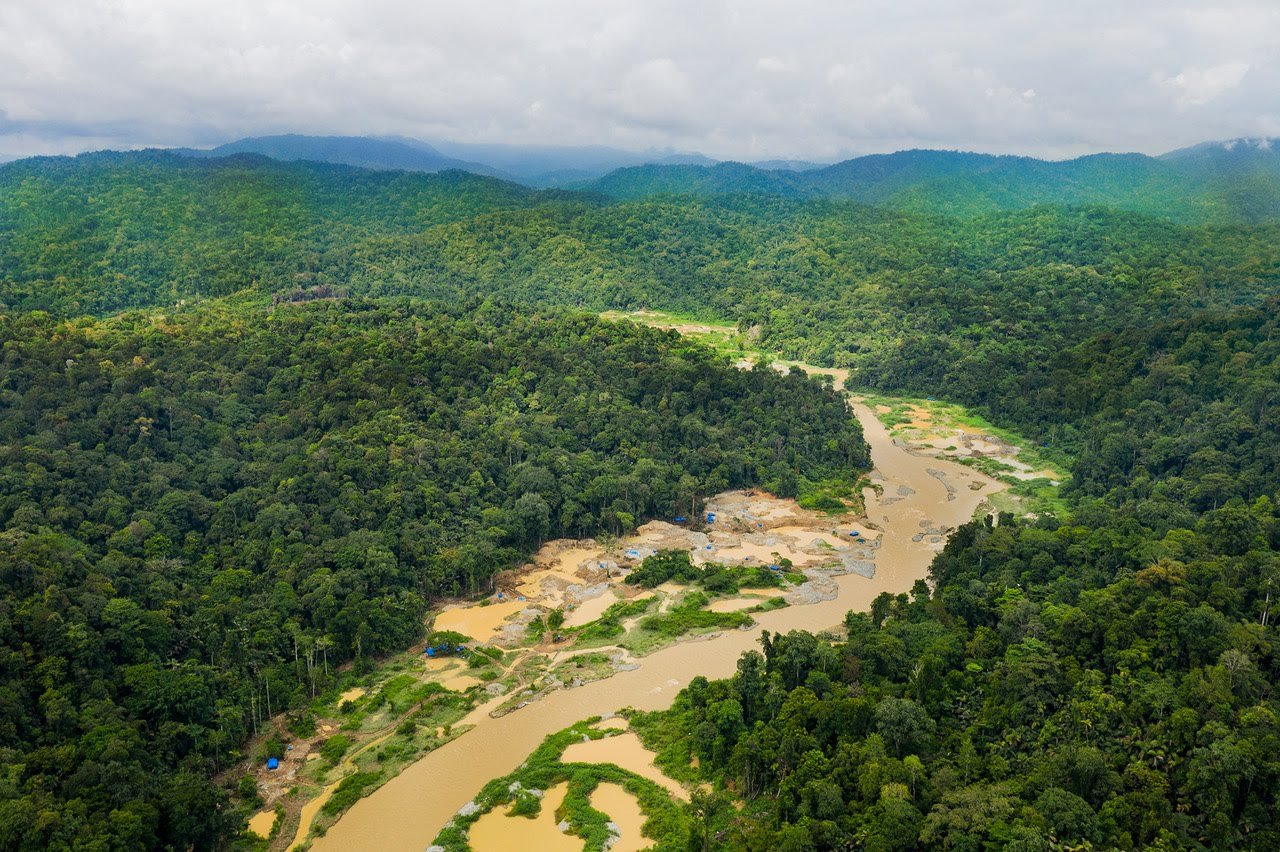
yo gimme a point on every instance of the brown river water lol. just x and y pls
(408, 811)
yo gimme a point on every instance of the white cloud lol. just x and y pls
(747, 78)
(1196, 87)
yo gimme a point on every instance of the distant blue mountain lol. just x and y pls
(1261, 150)
(556, 165)
(362, 151)
(1231, 181)
(543, 166)
(787, 165)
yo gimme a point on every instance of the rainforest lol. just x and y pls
(260, 420)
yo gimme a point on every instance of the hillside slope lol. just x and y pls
(100, 232)
(186, 499)
(1213, 183)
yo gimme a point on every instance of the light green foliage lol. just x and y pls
(666, 824)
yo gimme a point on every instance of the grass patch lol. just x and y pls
(769, 605)
(585, 667)
(949, 415)
(718, 335)
(609, 625)
(722, 580)
(432, 727)
(689, 615)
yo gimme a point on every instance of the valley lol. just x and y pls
(268, 429)
(924, 495)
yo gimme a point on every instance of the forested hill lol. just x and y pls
(186, 498)
(1106, 680)
(102, 232)
(187, 491)
(835, 281)
(1211, 183)
(983, 310)
(361, 151)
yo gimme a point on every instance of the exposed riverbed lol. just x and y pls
(917, 494)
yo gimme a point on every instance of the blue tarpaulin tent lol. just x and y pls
(273, 763)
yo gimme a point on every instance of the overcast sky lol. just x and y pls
(818, 79)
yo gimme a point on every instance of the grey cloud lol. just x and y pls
(746, 79)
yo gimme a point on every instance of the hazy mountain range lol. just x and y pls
(1238, 180)
(1214, 181)
(533, 165)
(1222, 182)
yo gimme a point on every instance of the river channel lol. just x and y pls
(918, 493)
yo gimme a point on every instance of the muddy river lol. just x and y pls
(919, 493)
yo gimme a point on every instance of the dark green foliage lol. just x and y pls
(200, 510)
(677, 566)
(247, 790)
(663, 566)
(205, 513)
(833, 281)
(720, 581)
(350, 790)
(1106, 678)
(334, 748)
(448, 638)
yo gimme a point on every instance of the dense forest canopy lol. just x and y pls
(1106, 679)
(827, 281)
(983, 310)
(107, 231)
(187, 498)
(221, 472)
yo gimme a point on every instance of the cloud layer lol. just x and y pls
(751, 80)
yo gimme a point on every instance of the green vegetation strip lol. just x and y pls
(666, 823)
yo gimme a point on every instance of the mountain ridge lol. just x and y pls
(360, 151)
(1225, 182)
(1213, 182)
